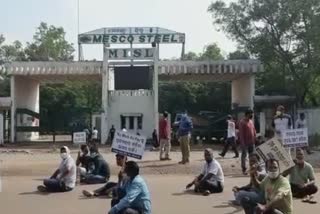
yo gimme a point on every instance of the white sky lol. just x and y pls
(19, 19)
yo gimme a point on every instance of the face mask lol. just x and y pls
(278, 113)
(273, 175)
(63, 155)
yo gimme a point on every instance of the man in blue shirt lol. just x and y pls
(184, 132)
(137, 197)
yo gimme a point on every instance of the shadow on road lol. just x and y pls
(187, 192)
(227, 205)
(35, 193)
(159, 166)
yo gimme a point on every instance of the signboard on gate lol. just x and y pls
(79, 138)
(131, 35)
(295, 137)
(131, 53)
(128, 144)
(274, 149)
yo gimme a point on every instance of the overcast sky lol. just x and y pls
(19, 19)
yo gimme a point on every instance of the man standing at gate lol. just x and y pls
(184, 133)
(95, 135)
(281, 121)
(164, 135)
(111, 133)
(247, 137)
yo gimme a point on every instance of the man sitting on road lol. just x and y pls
(211, 178)
(277, 192)
(110, 186)
(83, 160)
(64, 178)
(137, 197)
(249, 193)
(101, 170)
(302, 178)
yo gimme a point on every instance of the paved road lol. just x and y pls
(18, 196)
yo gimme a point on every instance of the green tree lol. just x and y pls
(238, 54)
(49, 43)
(196, 96)
(191, 56)
(284, 34)
(211, 52)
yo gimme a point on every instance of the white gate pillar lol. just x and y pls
(243, 90)
(105, 92)
(1, 128)
(25, 93)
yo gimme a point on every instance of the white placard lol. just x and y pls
(79, 137)
(128, 144)
(274, 149)
(295, 137)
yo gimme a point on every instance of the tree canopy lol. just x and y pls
(284, 34)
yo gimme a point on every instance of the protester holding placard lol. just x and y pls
(277, 192)
(302, 179)
(281, 121)
(137, 197)
(249, 193)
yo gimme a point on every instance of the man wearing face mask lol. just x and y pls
(64, 178)
(184, 133)
(211, 178)
(281, 121)
(277, 192)
(302, 178)
(247, 138)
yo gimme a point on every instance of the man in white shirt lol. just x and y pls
(281, 121)
(211, 179)
(64, 178)
(231, 138)
(95, 135)
(301, 122)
